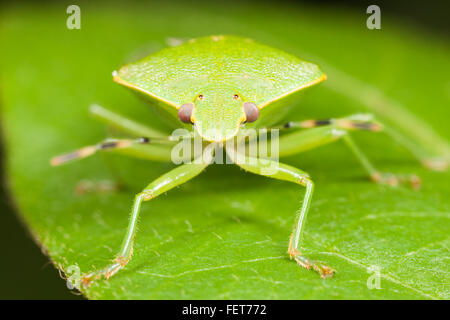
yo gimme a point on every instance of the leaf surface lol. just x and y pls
(224, 235)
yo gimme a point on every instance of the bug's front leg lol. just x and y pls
(151, 144)
(87, 151)
(163, 184)
(285, 172)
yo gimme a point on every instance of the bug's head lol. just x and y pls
(217, 113)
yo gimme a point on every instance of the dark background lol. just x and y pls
(36, 278)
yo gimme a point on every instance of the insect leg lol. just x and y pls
(353, 122)
(140, 148)
(376, 175)
(102, 146)
(124, 124)
(367, 122)
(304, 140)
(285, 172)
(164, 183)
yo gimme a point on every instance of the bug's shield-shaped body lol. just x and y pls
(218, 75)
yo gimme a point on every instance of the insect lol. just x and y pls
(215, 87)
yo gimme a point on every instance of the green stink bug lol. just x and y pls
(216, 87)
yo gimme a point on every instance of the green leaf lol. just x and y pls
(225, 233)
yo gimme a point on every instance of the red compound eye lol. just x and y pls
(235, 97)
(185, 112)
(251, 111)
(200, 97)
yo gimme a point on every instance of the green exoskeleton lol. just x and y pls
(216, 87)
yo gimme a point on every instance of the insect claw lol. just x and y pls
(416, 182)
(86, 279)
(323, 270)
(412, 180)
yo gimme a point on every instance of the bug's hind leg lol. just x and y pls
(280, 171)
(377, 176)
(321, 132)
(164, 183)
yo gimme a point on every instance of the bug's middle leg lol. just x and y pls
(322, 132)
